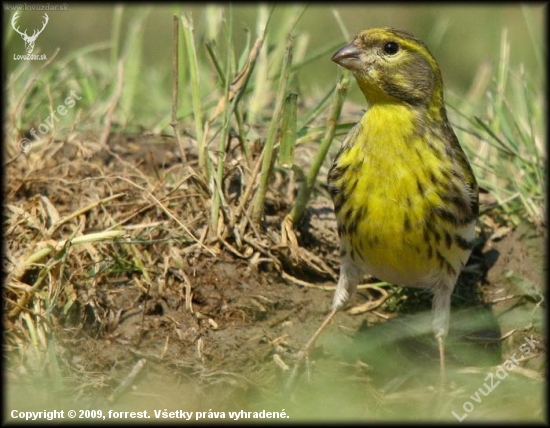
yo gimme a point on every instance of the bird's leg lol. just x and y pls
(323, 325)
(347, 284)
(441, 343)
(305, 350)
(441, 314)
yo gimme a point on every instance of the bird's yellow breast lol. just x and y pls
(390, 201)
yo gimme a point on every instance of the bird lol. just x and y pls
(404, 193)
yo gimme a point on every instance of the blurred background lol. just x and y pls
(463, 38)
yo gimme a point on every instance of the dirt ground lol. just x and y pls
(155, 321)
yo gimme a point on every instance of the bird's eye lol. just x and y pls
(391, 48)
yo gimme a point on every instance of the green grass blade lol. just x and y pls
(307, 187)
(288, 131)
(258, 203)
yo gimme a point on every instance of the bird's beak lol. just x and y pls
(348, 57)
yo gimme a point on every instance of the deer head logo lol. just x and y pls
(29, 40)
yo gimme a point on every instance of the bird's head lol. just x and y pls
(393, 66)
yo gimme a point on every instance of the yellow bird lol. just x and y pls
(405, 196)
